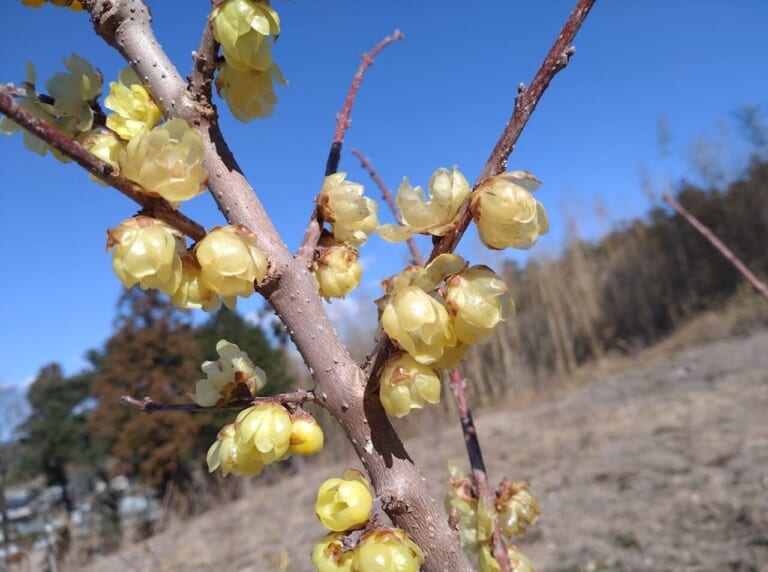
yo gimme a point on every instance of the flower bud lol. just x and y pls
(344, 504)
(406, 384)
(516, 506)
(230, 262)
(306, 434)
(135, 110)
(336, 270)
(329, 555)
(232, 377)
(419, 323)
(352, 215)
(246, 31)
(167, 161)
(389, 549)
(232, 456)
(477, 299)
(506, 213)
(249, 94)
(147, 252)
(435, 216)
(267, 428)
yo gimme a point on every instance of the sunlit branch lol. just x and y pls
(152, 206)
(722, 248)
(342, 119)
(294, 398)
(200, 79)
(526, 101)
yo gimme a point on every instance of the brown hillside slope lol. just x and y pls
(664, 467)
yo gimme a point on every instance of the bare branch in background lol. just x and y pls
(293, 398)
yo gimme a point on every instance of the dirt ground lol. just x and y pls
(662, 467)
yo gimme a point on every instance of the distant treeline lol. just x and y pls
(629, 289)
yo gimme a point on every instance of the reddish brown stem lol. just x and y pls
(416, 255)
(147, 405)
(153, 206)
(526, 101)
(342, 119)
(722, 248)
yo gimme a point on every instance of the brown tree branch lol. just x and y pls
(342, 119)
(294, 398)
(718, 244)
(526, 101)
(292, 292)
(416, 255)
(156, 207)
(200, 79)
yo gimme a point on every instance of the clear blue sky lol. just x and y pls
(438, 98)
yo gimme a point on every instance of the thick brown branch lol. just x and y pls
(342, 119)
(416, 256)
(153, 206)
(147, 405)
(718, 244)
(526, 101)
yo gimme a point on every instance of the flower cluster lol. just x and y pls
(514, 506)
(434, 216)
(225, 264)
(506, 213)
(246, 31)
(434, 313)
(66, 106)
(344, 505)
(73, 5)
(353, 217)
(261, 435)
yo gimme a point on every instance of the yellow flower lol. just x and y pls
(230, 262)
(72, 91)
(352, 215)
(344, 504)
(406, 384)
(105, 145)
(389, 549)
(306, 434)
(249, 93)
(246, 31)
(477, 299)
(147, 252)
(73, 5)
(232, 456)
(336, 270)
(167, 161)
(33, 3)
(506, 213)
(267, 428)
(192, 293)
(419, 323)
(328, 555)
(517, 507)
(135, 110)
(436, 215)
(232, 377)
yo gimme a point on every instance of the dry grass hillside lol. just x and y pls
(661, 467)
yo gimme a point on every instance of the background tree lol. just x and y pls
(55, 435)
(154, 351)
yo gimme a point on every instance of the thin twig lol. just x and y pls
(717, 243)
(200, 79)
(298, 397)
(526, 101)
(417, 257)
(153, 206)
(342, 119)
